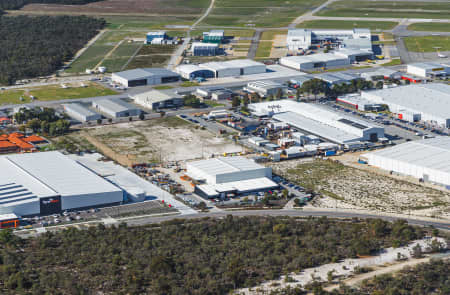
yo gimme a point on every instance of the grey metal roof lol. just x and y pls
(225, 165)
(145, 73)
(431, 153)
(431, 98)
(50, 174)
(115, 105)
(78, 108)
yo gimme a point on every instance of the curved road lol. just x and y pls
(292, 213)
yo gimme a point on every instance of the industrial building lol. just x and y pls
(380, 74)
(311, 62)
(49, 183)
(80, 112)
(428, 69)
(265, 88)
(205, 49)
(213, 36)
(158, 99)
(355, 101)
(234, 68)
(336, 78)
(116, 108)
(298, 39)
(319, 121)
(416, 102)
(191, 72)
(354, 55)
(155, 37)
(146, 76)
(428, 159)
(229, 175)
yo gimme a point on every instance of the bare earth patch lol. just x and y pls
(170, 139)
(351, 188)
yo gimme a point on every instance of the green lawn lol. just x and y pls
(345, 25)
(427, 43)
(393, 62)
(213, 103)
(120, 56)
(270, 35)
(433, 27)
(189, 84)
(264, 48)
(162, 87)
(258, 13)
(53, 92)
(394, 9)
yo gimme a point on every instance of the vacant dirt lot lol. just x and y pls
(351, 188)
(163, 7)
(166, 139)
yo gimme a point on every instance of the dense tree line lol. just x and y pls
(17, 4)
(37, 46)
(43, 120)
(204, 256)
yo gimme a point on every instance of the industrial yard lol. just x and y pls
(345, 187)
(165, 139)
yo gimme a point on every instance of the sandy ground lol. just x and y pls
(154, 141)
(279, 47)
(344, 268)
(361, 189)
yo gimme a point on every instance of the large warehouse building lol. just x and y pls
(48, 183)
(80, 112)
(319, 121)
(428, 69)
(303, 38)
(229, 175)
(116, 108)
(416, 102)
(158, 99)
(146, 76)
(234, 68)
(190, 72)
(427, 159)
(310, 62)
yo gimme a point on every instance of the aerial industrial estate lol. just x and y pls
(256, 122)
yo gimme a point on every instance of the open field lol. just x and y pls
(163, 7)
(433, 27)
(165, 139)
(126, 22)
(394, 9)
(152, 56)
(259, 13)
(264, 49)
(120, 56)
(53, 92)
(346, 25)
(427, 43)
(393, 62)
(347, 187)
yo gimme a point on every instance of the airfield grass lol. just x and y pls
(123, 22)
(53, 92)
(427, 43)
(258, 13)
(346, 25)
(393, 62)
(394, 9)
(431, 27)
(264, 49)
(118, 59)
(270, 35)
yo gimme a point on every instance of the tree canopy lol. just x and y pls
(37, 46)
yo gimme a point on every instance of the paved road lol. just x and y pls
(254, 45)
(293, 213)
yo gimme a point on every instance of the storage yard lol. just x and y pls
(346, 187)
(165, 139)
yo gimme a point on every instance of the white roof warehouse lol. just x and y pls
(428, 159)
(431, 101)
(319, 121)
(49, 182)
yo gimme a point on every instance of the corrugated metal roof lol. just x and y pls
(78, 108)
(51, 173)
(239, 186)
(115, 105)
(144, 73)
(432, 153)
(225, 165)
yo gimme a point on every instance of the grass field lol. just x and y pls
(152, 56)
(118, 59)
(124, 22)
(427, 43)
(433, 27)
(259, 13)
(393, 62)
(394, 9)
(346, 25)
(53, 92)
(264, 49)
